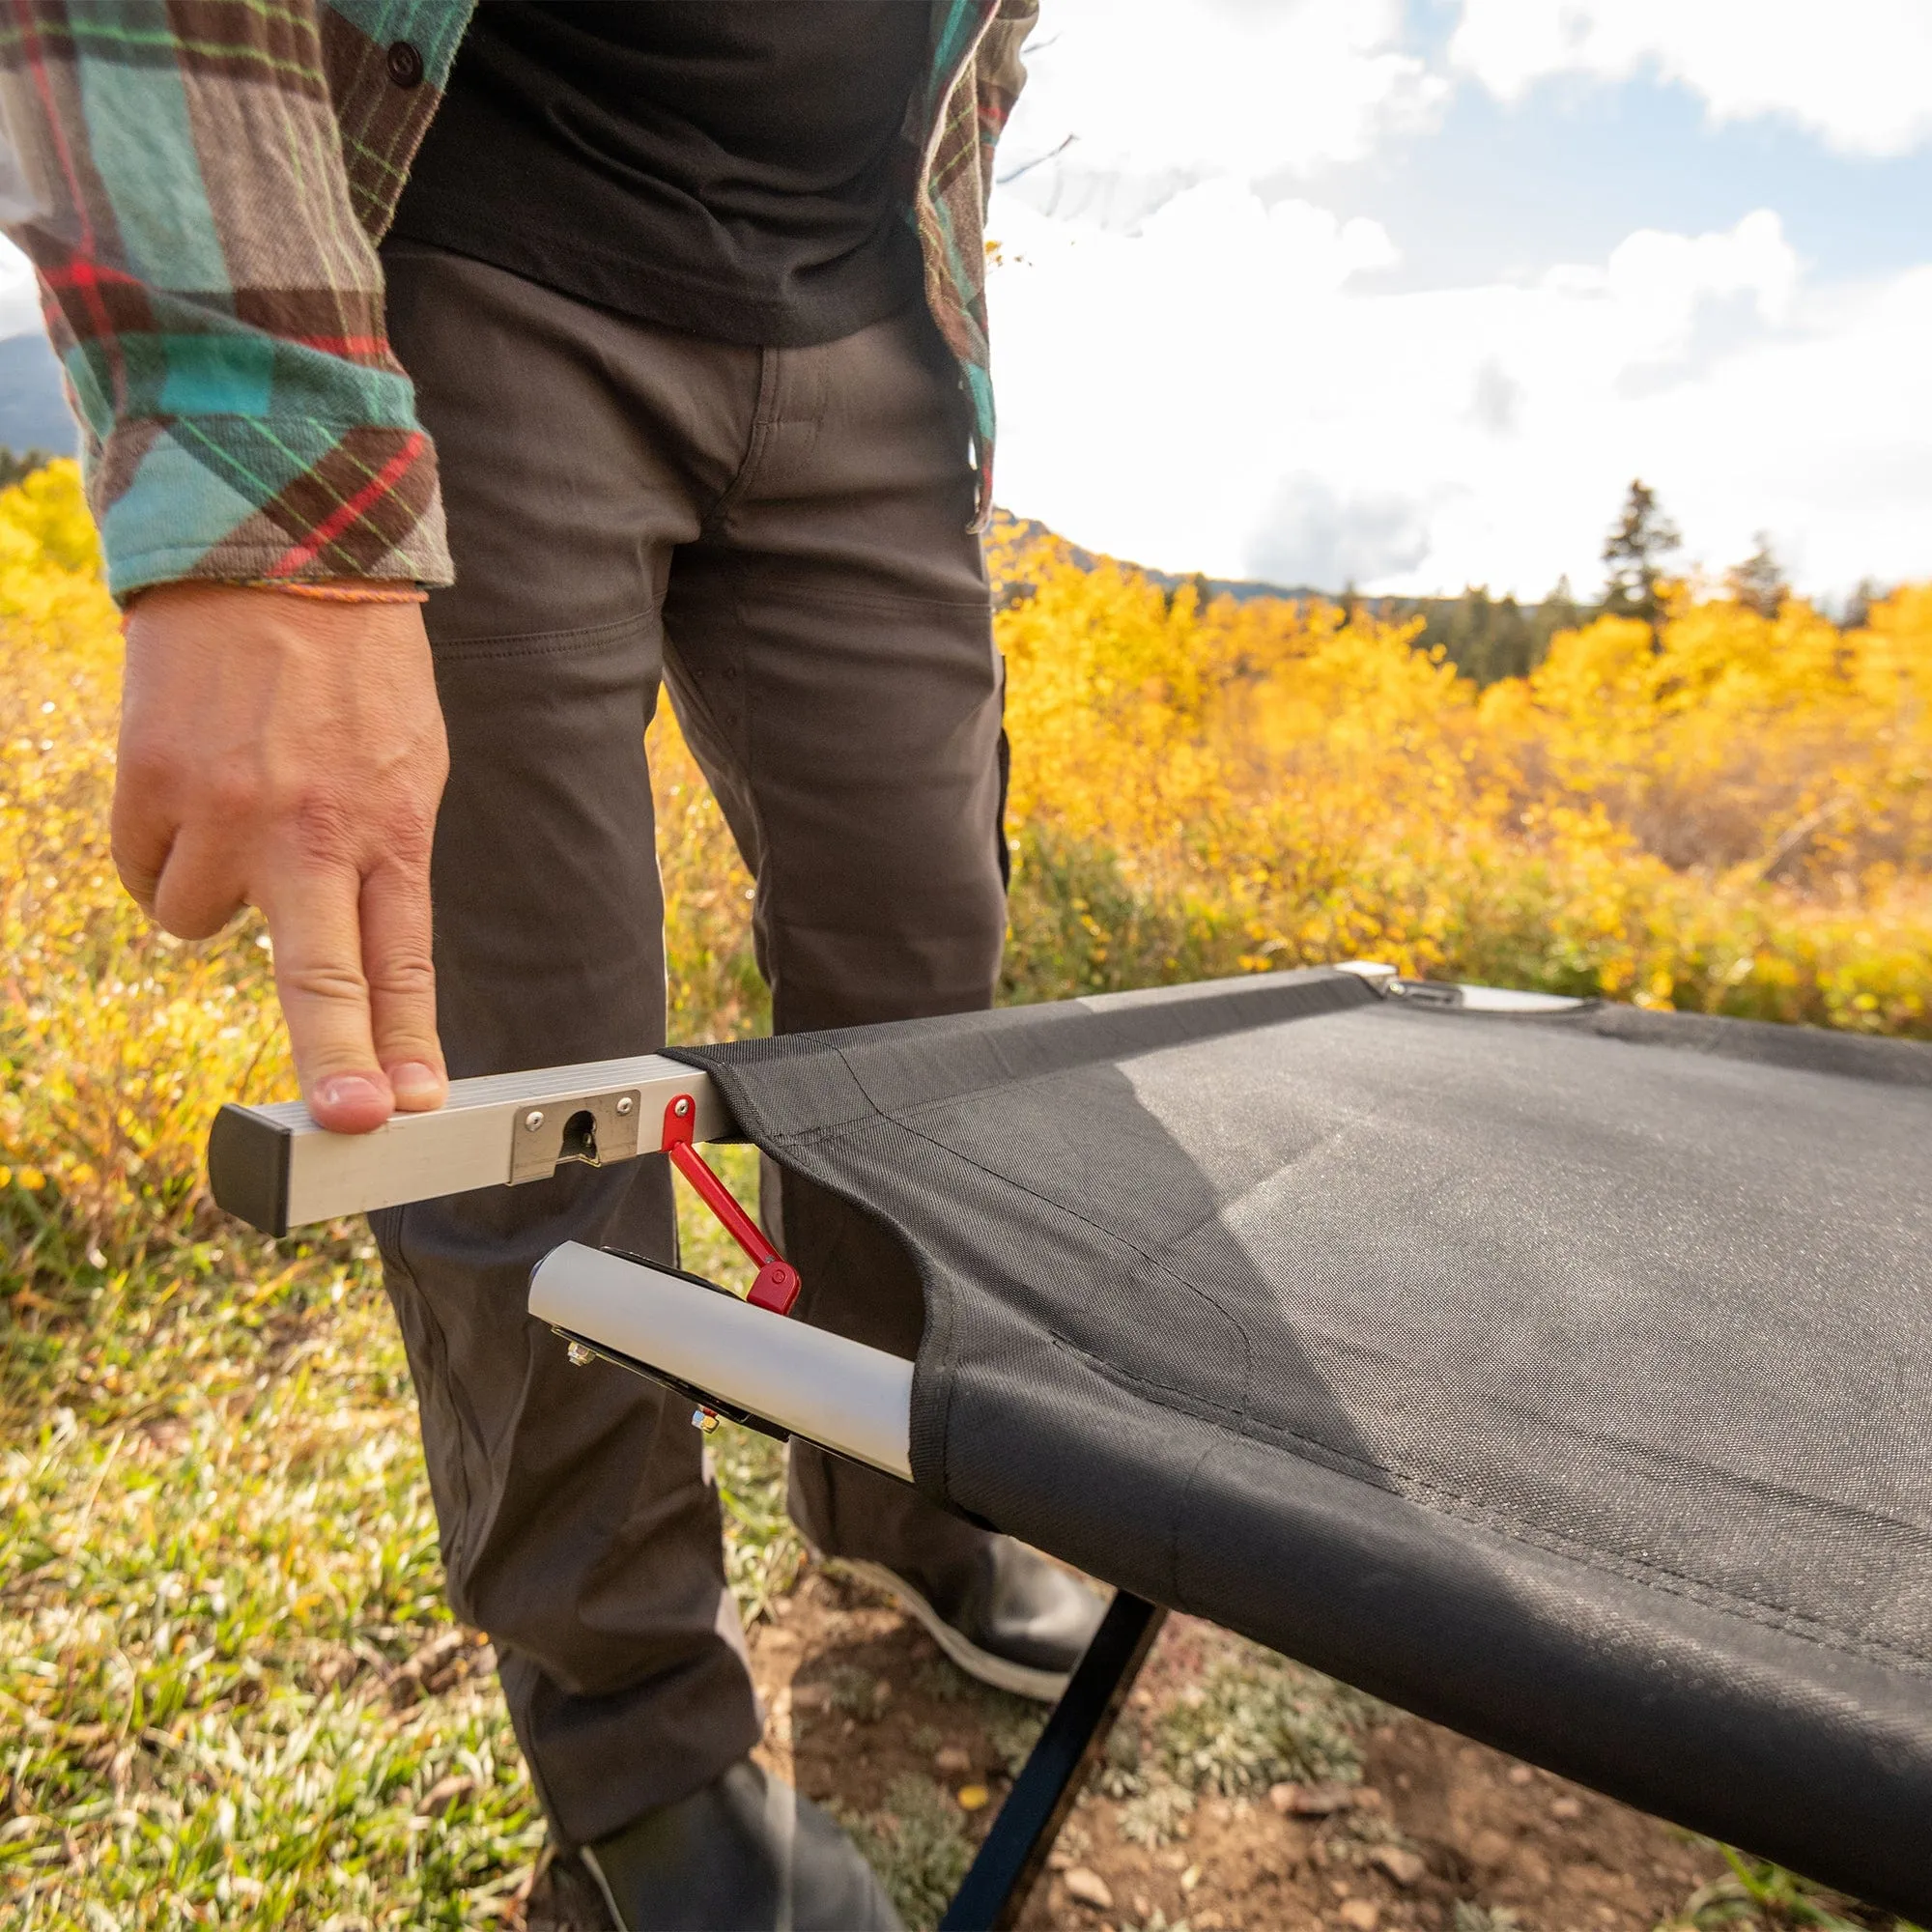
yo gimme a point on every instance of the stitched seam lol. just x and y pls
(1176, 1593)
(1780, 1617)
(539, 644)
(885, 600)
(765, 421)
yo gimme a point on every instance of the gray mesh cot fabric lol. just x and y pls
(1560, 1378)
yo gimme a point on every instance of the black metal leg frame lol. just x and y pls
(995, 1891)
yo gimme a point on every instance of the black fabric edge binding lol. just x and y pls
(1164, 1016)
(1819, 1759)
(1802, 1049)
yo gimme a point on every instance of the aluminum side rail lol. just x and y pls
(276, 1169)
(762, 1367)
(272, 1167)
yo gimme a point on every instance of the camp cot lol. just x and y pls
(1553, 1369)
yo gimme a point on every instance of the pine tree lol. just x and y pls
(17, 469)
(1633, 554)
(1758, 583)
(1858, 605)
(1558, 612)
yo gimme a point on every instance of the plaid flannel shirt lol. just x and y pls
(201, 186)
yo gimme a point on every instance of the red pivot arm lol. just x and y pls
(777, 1283)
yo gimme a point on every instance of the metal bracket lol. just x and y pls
(1424, 992)
(276, 1169)
(587, 1127)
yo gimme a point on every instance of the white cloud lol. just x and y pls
(1155, 97)
(20, 294)
(1857, 72)
(1309, 536)
(1197, 369)
(1223, 392)
(1659, 285)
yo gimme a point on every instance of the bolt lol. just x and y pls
(625, 1105)
(682, 1106)
(533, 1120)
(580, 1356)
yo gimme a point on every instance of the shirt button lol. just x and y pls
(405, 64)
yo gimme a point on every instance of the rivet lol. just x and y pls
(533, 1120)
(683, 1106)
(625, 1105)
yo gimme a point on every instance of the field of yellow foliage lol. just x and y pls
(228, 1678)
(1734, 816)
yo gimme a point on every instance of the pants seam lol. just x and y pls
(541, 643)
(765, 421)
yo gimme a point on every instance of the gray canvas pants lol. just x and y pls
(780, 536)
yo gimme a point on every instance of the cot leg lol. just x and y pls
(994, 1891)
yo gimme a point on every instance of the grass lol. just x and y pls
(1157, 1813)
(229, 1686)
(1256, 1720)
(916, 1844)
(1253, 1720)
(1755, 1894)
(224, 1649)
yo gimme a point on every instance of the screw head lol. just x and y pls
(533, 1120)
(625, 1105)
(682, 1106)
(579, 1355)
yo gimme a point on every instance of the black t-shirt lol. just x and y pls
(737, 168)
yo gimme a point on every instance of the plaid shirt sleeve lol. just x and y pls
(976, 76)
(200, 185)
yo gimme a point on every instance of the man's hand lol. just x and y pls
(288, 753)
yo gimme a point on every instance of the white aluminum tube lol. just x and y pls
(840, 1394)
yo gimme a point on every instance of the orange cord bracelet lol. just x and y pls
(339, 593)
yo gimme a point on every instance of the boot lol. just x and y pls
(744, 1854)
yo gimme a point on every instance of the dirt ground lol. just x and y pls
(865, 1716)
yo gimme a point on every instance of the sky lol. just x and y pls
(1402, 293)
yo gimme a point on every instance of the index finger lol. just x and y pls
(315, 927)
